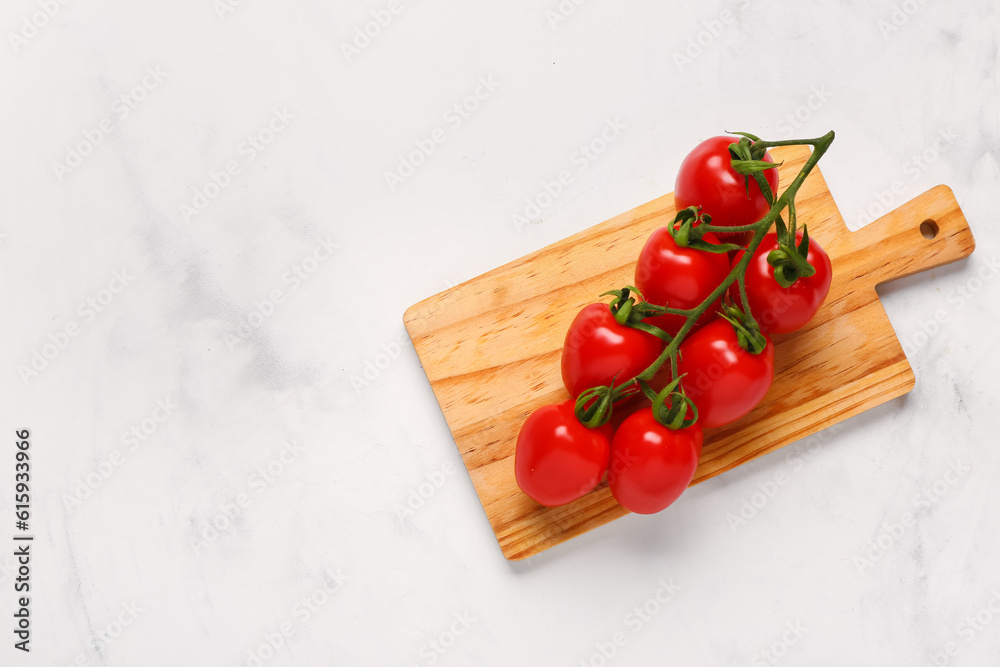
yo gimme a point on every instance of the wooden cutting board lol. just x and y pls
(491, 346)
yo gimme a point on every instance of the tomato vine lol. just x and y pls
(670, 405)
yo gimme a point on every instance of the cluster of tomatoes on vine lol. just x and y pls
(692, 335)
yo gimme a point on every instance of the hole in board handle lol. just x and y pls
(929, 229)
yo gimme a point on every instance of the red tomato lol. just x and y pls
(597, 349)
(707, 179)
(651, 465)
(669, 275)
(724, 380)
(558, 459)
(780, 309)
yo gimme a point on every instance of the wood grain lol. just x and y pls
(491, 346)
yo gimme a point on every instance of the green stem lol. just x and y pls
(752, 227)
(624, 310)
(662, 310)
(760, 229)
(741, 280)
(791, 222)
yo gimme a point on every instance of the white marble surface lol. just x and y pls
(235, 328)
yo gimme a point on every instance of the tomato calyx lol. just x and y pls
(687, 231)
(790, 262)
(748, 160)
(789, 258)
(594, 406)
(748, 333)
(630, 313)
(675, 414)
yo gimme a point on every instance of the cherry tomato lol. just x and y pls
(669, 275)
(651, 465)
(724, 380)
(707, 179)
(597, 349)
(780, 309)
(558, 459)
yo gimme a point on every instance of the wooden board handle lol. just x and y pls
(926, 232)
